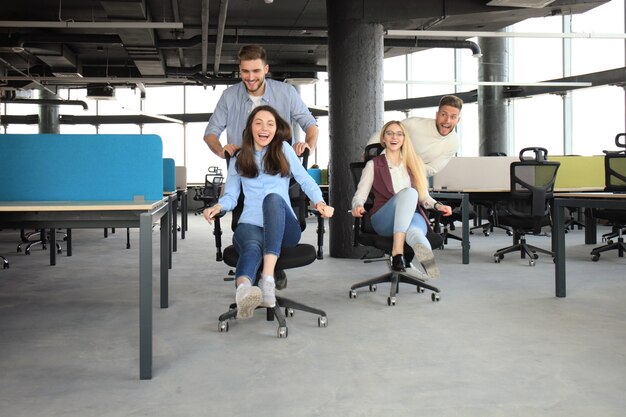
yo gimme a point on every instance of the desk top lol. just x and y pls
(21, 206)
(591, 195)
(506, 190)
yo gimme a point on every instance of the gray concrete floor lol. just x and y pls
(497, 344)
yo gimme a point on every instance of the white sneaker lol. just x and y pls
(414, 272)
(248, 299)
(425, 256)
(268, 289)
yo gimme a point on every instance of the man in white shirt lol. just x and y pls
(434, 140)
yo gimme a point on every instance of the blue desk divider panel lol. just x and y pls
(51, 167)
(169, 175)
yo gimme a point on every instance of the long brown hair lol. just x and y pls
(411, 160)
(274, 161)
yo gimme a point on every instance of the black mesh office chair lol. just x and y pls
(210, 193)
(615, 181)
(301, 255)
(365, 235)
(527, 208)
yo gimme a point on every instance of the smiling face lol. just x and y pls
(263, 129)
(393, 137)
(446, 119)
(253, 75)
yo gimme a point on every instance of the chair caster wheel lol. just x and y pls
(535, 256)
(420, 290)
(497, 259)
(435, 297)
(288, 312)
(223, 326)
(322, 321)
(595, 258)
(391, 301)
(373, 288)
(352, 294)
(531, 262)
(282, 332)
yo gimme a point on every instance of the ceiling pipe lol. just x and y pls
(46, 101)
(220, 36)
(205, 35)
(435, 43)
(176, 14)
(89, 25)
(479, 34)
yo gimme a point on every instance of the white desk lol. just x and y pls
(103, 214)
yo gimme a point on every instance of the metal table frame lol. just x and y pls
(90, 214)
(588, 200)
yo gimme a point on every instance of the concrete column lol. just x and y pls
(356, 107)
(48, 115)
(492, 107)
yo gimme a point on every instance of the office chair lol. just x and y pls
(38, 237)
(210, 193)
(527, 208)
(301, 255)
(365, 235)
(615, 181)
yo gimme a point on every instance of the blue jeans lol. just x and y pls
(398, 215)
(280, 230)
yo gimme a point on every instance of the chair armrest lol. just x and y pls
(217, 232)
(320, 231)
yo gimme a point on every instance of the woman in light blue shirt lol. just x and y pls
(262, 169)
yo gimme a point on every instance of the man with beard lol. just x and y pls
(237, 102)
(434, 140)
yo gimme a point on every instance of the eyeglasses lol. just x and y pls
(390, 133)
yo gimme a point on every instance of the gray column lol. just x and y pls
(48, 114)
(492, 107)
(356, 107)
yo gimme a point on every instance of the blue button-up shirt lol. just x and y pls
(255, 189)
(235, 105)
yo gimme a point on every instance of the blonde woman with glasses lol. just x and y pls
(397, 178)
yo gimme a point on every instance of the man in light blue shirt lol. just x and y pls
(237, 102)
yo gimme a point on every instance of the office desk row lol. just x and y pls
(99, 214)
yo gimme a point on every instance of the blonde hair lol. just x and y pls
(411, 161)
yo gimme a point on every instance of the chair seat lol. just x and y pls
(385, 242)
(523, 223)
(300, 255)
(612, 215)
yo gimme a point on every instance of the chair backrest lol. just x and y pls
(372, 151)
(299, 200)
(532, 183)
(615, 167)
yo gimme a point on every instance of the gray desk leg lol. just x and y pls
(591, 232)
(558, 247)
(183, 214)
(52, 245)
(145, 295)
(465, 208)
(68, 248)
(174, 225)
(165, 256)
(167, 222)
